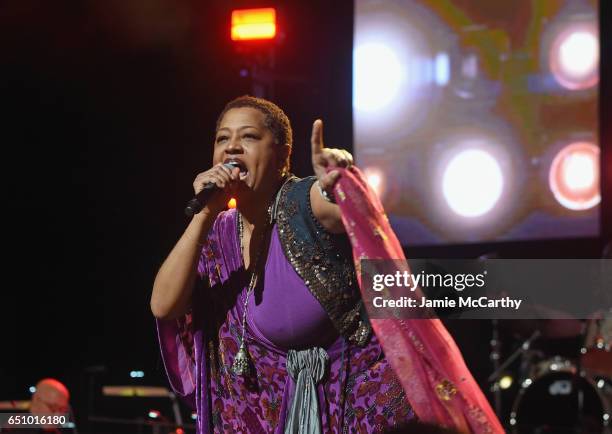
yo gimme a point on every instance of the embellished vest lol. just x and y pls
(323, 260)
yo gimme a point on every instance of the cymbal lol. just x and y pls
(136, 391)
(548, 328)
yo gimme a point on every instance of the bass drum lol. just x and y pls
(557, 400)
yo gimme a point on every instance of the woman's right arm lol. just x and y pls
(173, 285)
(171, 296)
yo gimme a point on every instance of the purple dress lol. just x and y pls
(359, 394)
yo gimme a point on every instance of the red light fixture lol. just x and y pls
(574, 176)
(574, 57)
(253, 24)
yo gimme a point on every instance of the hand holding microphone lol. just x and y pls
(208, 184)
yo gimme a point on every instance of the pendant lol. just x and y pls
(240, 366)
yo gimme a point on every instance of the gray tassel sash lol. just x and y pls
(307, 368)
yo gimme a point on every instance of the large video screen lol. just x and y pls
(476, 120)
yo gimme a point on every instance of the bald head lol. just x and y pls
(51, 396)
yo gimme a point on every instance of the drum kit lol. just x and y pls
(560, 389)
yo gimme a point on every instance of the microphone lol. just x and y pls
(196, 204)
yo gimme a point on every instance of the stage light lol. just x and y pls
(472, 183)
(578, 53)
(574, 176)
(378, 76)
(32, 389)
(232, 203)
(442, 69)
(401, 63)
(375, 179)
(505, 382)
(253, 24)
(574, 57)
(154, 414)
(136, 374)
(194, 415)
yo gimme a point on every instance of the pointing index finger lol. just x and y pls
(316, 139)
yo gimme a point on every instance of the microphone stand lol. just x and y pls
(91, 372)
(178, 418)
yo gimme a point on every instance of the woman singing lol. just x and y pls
(260, 317)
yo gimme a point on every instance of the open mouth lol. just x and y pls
(239, 164)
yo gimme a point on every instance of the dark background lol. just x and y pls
(108, 114)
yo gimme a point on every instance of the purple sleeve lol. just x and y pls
(182, 341)
(178, 356)
(178, 346)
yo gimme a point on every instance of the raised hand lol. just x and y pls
(325, 158)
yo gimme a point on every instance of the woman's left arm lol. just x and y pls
(324, 160)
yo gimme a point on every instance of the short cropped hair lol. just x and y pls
(275, 119)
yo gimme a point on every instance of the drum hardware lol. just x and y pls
(558, 398)
(567, 395)
(596, 351)
(157, 421)
(495, 344)
(522, 349)
(138, 423)
(500, 369)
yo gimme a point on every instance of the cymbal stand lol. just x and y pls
(495, 345)
(522, 349)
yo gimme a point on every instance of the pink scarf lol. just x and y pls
(422, 353)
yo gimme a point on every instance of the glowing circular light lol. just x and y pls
(472, 183)
(375, 179)
(574, 58)
(505, 382)
(579, 53)
(579, 171)
(378, 76)
(574, 176)
(231, 204)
